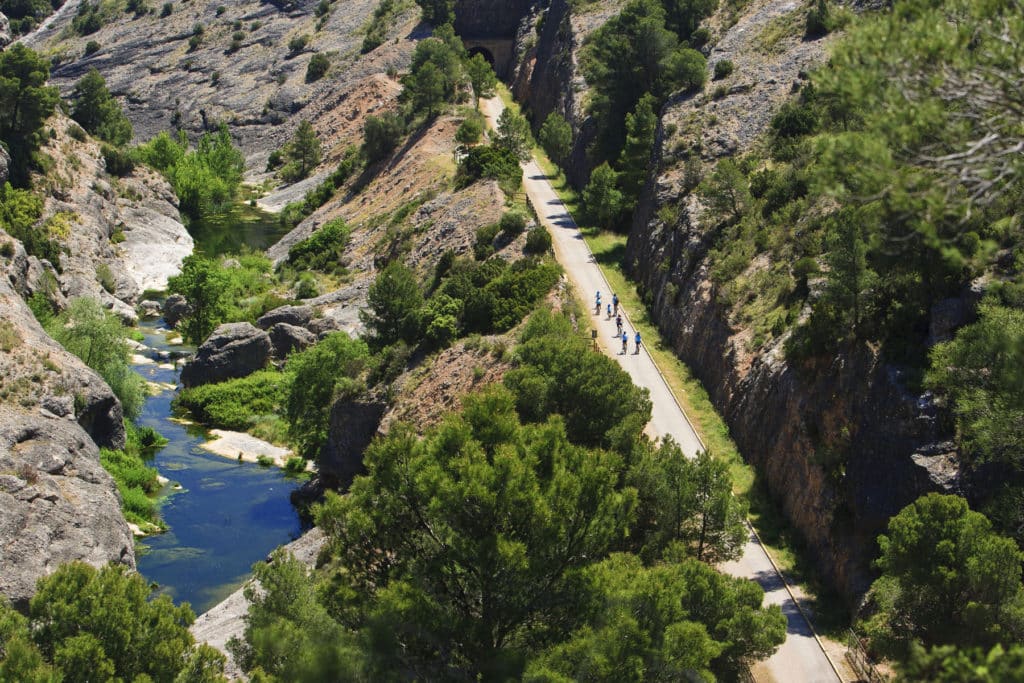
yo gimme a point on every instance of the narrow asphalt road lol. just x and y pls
(801, 658)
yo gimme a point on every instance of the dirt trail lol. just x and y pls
(801, 657)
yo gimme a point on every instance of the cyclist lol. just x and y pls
(618, 325)
(637, 342)
(625, 342)
(615, 303)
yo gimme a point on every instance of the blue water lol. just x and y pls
(226, 516)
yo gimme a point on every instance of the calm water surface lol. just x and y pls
(227, 514)
(242, 226)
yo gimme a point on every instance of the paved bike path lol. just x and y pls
(800, 658)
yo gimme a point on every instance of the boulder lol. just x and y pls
(352, 426)
(292, 315)
(287, 338)
(149, 308)
(322, 327)
(57, 503)
(175, 308)
(233, 350)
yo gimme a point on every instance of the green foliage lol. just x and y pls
(238, 403)
(89, 18)
(91, 47)
(98, 112)
(512, 224)
(602, 199)
(20, 211)
(723, 69)
(470, 539)
(97, 337)
(302, 153)
(630, 55)
(687, 502)
(85, 620)
(297, 44)
(947, 579)
(470, 131)
(490, 161)
(317, 67)
(673, 621)
(321, 375)
(481, 76)
(136, 482)
(382, 21)
(117, 161)
(951, 664)
(323, 249)
(514, 134)
(980, 371)
(203, 283)
(556, 138)
(25, 104)
(435, 73)
(294, 212)
(437, 12)
(821, 20)
(206, 179)
(641, 125)
(381, 135)
(555, 368)
(393, 305)
(538, 241)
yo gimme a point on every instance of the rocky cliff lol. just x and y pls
(56, 501)
(841, 444)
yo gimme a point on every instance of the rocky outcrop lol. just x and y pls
(490, 19)
(5, 158)
(287, 338)
(57, 503)
(298, 316)
(175, 308)
(233, 350)
(352, 426)
(35, 370)
(5, 32)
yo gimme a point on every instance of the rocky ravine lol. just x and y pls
(784, 419)
(57, 503)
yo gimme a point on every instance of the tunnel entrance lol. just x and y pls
(497, 52)
(478, 50)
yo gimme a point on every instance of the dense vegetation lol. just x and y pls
(206, 179)
(25, 104)
(98, 112)
(499, 546)
(24, 15)
(85, 624)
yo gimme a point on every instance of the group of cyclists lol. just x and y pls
(612, 309)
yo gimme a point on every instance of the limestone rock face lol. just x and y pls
(34, 369)
(175, 308)
(287, 338)
(5, 39)
(298, 316)
(57, 503)
(233, 350)
(5, 158)
(353, 424)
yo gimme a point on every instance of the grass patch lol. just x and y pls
(236, 404)
(137, 482)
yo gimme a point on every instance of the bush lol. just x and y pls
(307, 287)
(297, 44)
(381, 134)
(236, 404)
(489, 161)
(295, 465)
(118, 161)
(512, 224)
(723, 69)
(538, 241)
(91, 47)
(318, 66)
(484, 245)
(469, 131)
(322, 250)
(166, 10)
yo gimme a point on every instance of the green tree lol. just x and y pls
(205, 179)
(947, 579)
(514, 134)
(435, 73)
(25, 104)
(97, 337)
(302, 151)
(317, 67)
(683, 17)
(482, 524)
(98, 112)
(381, 135)
(849, 277)
(952, 664)
(556, 138)
(673, 621)
(20, 659)
(689, 502)
(602, 199)
(481, 76)
(393, 306)
(88, 620)
(288, 633)
(204, 284)
(641, 125)
(322, 375)
(437, 12)
(20, 211)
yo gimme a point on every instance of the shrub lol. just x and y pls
(297, 44)
(118, 161)
(819, 20)
(194, 42)
(236, 404)
(489, 161)
(76, 132)
(538, 241)
(318, 66)
(469, 131)
(221, 9)
(381, 134)
(723, 69)
(322, 250)
(91, 47)
(264, 461)
(295, 465)
(484, 245)
(166, 10)
(512, 224)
